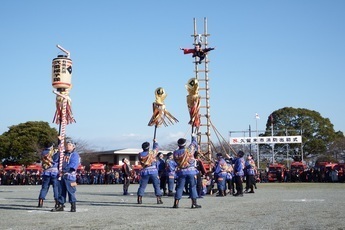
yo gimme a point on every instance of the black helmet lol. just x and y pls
(145, 146)
(181, 142)
(240, 153)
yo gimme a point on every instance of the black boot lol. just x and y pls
(40, 203)
(57, 204)
(73, 207)
(176, 203)
(140, 199)
(194, 204)
(58, 208)
(220, 193)
(238, 194)
(159, 200)
(170, 193)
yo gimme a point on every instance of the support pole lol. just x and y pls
(154, 134)
(62, 134)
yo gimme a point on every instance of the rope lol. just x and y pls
(217, 132)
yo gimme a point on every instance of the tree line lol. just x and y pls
(23, 143)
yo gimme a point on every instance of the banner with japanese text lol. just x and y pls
(265, 140)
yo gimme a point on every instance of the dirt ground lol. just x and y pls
(273, 206)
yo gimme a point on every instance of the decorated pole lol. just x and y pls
(160, 114)
(61, 81)
(193, 103)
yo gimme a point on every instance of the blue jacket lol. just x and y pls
(160, 165)
(188, 167)
(239, 166)
(170, 167)
(70, 164)
(152, 167)
(219, 168)
(250, 170)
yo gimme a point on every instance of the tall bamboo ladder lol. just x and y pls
(201, 74)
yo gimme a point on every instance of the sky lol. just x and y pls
(269, 54)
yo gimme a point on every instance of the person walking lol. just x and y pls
(186, 171)
(68, 185)
(50, 160)
(147, 159)
(126, 173)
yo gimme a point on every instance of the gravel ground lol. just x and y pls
(273, 206)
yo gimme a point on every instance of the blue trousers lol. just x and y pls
(182, 180)
(221, 182)
(144, 180)
(46, 182)
(171, 183)
(66, 188)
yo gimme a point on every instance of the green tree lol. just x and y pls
(337, 148)
(317, 132)
(23, 143)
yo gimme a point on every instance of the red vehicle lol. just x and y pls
(97, 166)
(331, 166)
(297, 170)
(276, 172)
(34, 169)
(298, 166)
(11, 173)
(80, 168)
(117, 168)
(324, 165)
(14, 168)
(340, 167)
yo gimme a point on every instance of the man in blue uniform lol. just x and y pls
(161, 174)
(50, 160)
(220, 173)
(186, 171)
(250, 174)
(147, 159)
(68, 183)
(239, 173)
(170, 167)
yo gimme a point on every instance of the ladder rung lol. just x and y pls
(199, 70)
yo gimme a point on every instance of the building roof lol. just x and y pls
(128, 151)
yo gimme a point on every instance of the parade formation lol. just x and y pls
(183, 167)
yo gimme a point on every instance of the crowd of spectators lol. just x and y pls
(115, 176)
(308, 175)
(83, 177)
